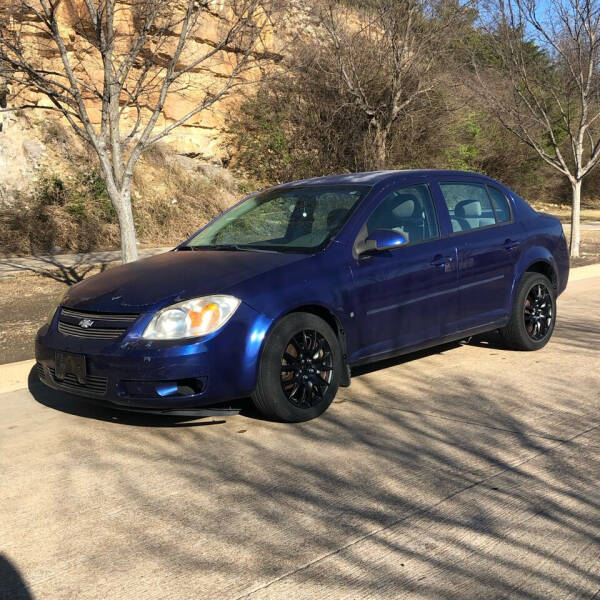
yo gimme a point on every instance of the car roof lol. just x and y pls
(375, 177)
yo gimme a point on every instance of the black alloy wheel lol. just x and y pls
(300, 368)
(537, 312)
(306, 368)
(533, 314)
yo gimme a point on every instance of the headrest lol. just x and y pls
(336, 217)
(468, 208)
(406, 204)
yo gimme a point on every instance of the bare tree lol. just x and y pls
(552, 103)
(386, 57)
(144, 50)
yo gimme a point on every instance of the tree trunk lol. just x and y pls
(122, 203)
(380, 142)
(575, 218)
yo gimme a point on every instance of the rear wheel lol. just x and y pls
(533, 315)
(299, 370)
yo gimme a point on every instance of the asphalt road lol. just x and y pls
(466, 472)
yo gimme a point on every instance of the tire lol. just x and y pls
(297, 344)
(533, 316)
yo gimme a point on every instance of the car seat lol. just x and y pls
(467, 215)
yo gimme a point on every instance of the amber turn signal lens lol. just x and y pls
(205, 319)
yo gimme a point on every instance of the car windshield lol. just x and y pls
(302, 219)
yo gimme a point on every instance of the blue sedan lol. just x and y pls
(278, 297)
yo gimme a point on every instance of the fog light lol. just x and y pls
(167, 389)
(164, 389)
(183, 387)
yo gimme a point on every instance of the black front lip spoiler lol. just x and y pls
(166, 412)
(174, 412)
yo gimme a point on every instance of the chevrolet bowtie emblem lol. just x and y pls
(85, 323)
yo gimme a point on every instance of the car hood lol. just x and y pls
(155, 282)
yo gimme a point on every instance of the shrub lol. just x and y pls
(301, 124)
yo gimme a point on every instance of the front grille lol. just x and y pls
(103, 326)
(94, 385)
(96, 333)
(41, 371)
(67, 312)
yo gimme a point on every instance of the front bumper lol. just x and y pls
(135, 373)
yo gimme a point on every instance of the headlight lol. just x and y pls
(55, 306)
(192, 318)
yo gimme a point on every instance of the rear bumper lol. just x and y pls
(141, 374)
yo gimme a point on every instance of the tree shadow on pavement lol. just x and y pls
(388, 497)
(54, 269)
(469, 473)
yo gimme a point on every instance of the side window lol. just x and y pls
(332, 210)
(500, 204)
(408, 210)
(469, 206)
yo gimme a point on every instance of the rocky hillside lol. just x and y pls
(203, 137)
(51, 195)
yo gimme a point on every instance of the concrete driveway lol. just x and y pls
(466, 472)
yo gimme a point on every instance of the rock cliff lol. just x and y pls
(200, 137)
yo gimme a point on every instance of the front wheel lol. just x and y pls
(299, 370)
(533, 314)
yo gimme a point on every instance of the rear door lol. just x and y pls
(488, 242)
(405, 296)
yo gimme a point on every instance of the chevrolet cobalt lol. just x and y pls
(278, 297)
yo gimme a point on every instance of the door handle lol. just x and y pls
(441, 261)
(510, 244)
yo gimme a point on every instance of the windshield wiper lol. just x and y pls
(228, 247)
(215, 247)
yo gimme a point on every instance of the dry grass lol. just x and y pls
(589, 212)
(70, 211)
(67, 206)
(172, 201)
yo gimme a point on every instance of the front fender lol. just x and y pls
(311, 305)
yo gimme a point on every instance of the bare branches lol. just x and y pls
(138, 53)
(553, 103)
(386, 58)
(566, 87)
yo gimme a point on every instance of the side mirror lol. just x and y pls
(383, 239)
